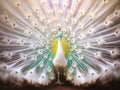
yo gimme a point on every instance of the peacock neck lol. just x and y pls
(59, 60)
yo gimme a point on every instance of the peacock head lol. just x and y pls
(59, 35)
(64, 42)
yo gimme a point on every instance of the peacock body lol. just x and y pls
(37, 38)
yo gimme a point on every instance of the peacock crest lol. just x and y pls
(39, 38)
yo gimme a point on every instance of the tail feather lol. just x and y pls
(91, 28)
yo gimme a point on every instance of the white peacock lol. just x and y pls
(39, 37)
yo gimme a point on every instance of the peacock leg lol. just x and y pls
(58, 80)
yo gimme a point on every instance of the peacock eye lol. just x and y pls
(115, 65)
(6, 18)
(106, 70)
(116, 13)
(79, 76)
(43, 76)
(37, 10)
(104, 0)
(29, 16)
(14, 24)
(116, 32)
(16, 72)
(92, 73)
(18, 4)
(5, 67)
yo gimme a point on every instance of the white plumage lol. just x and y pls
(29, 30)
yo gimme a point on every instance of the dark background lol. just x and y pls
(114, 85)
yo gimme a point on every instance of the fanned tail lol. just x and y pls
(91, 40)
(95, 45)
(24, 45)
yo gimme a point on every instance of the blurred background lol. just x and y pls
(114, 85)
